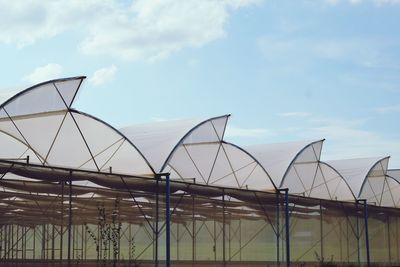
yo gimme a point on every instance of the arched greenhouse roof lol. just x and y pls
(40, 123)
(196, 150)
(365, 176)
(297, 166)
(159, 140)
(277, 158)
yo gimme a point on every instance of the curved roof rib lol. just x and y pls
(390, 196)
(394, 173)
(195, 150)
(159, 140)
(297, 166)
(366, 177)
(39, 122)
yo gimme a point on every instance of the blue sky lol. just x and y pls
(285, 70)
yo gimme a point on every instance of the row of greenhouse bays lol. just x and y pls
(216, 229)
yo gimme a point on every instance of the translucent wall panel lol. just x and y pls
(393, 229)
(223, 230)
(378, 237)
(340, 236)
(305, 242)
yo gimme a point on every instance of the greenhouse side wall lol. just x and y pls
(210, 226)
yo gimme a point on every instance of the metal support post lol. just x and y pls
(358, 237)
(223, 227)
(366, 231)
(321, 231)
(156, 224)
(287, 226)
(168, 221)
(278, 231)
(69, 219)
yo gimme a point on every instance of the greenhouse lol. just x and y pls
(76, 191)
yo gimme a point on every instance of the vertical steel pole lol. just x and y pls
(44, 241)
(347, 239)
(156, 228)
(287, 227)
(34, 242)
(53, 232)
(215, 240)
(223, 227)
(397, 239)
(168, 221)
(69, 218)
(177, 241)
(62, 223)
(1, 242)
(278, 231)
(240, 239)
(321, 231)
(193, 234)
(389, 241)
(229, 237)
(366, 231)
(358, 236)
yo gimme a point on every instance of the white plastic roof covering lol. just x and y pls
(219, 163)
(195, 149)
(39, 122)
(392, 188)
(367, 178)
(158, 140)
(394, 173)
(297, 166)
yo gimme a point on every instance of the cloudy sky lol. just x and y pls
(286, 70)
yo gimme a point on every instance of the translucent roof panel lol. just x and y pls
(390, 196)
(39, 123)
(277, 158)
(394, 173)
(297, 166)
(365, 176)
(49, 96)
(329, 182)
(158, 141)
(221, 164)
(382, 191)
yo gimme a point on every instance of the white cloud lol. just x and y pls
(232, 131)
(295, 114)
(345, 138)
(103, 75)
(44, 73)
(349, 138)
(302, 52)
(163, 119)
(388, 109)
(355, 2)
(133, 30)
